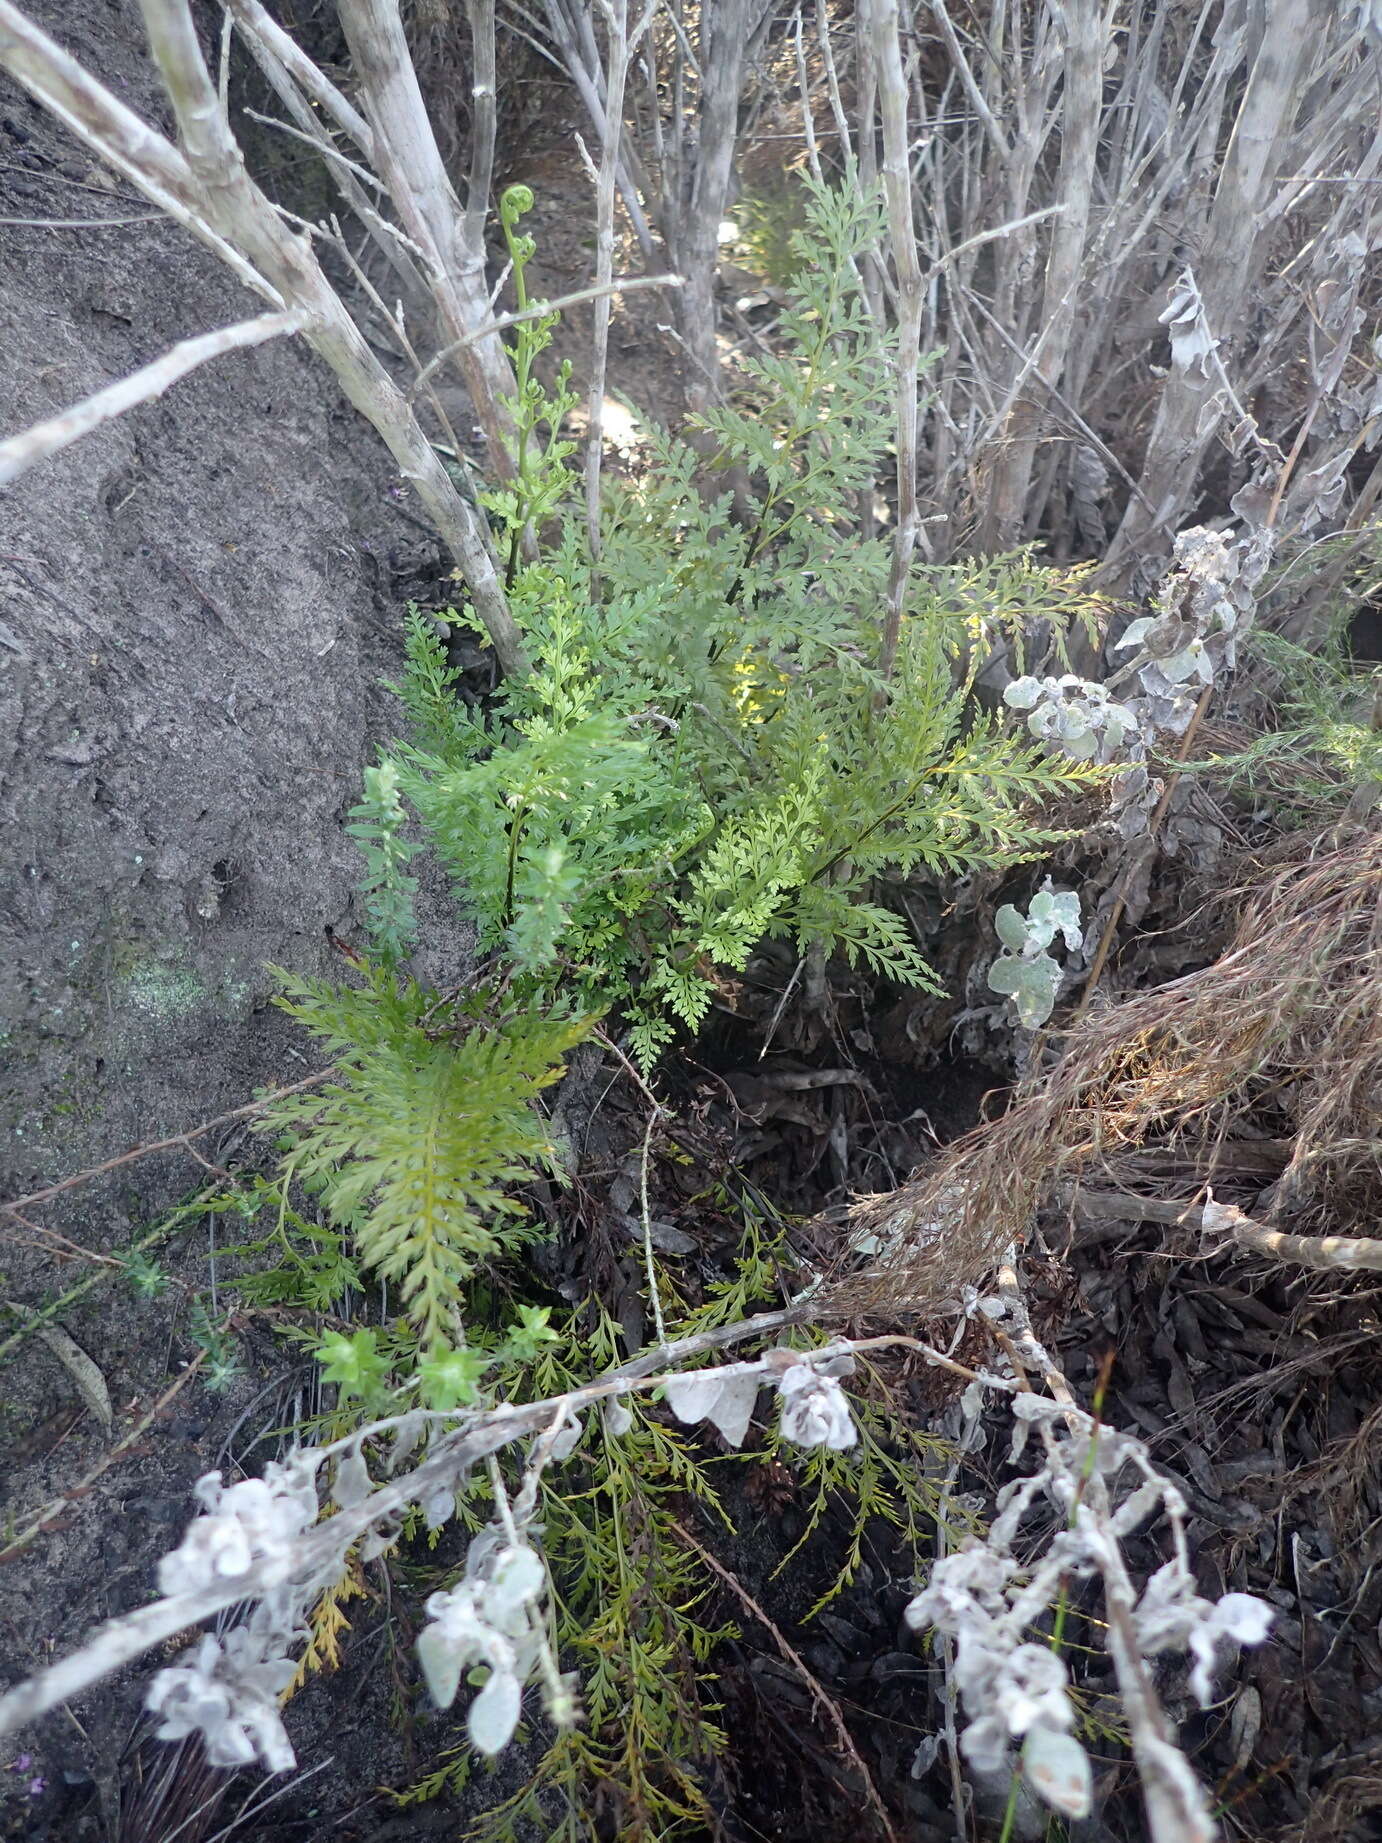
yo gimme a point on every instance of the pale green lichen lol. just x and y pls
(163, 992)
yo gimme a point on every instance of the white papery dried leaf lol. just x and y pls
(226, 1690)
(244, 1527)
(1192, 344)
(985, 1744)
(1244, 1618)
(379, 1541)
(494, 1713)
(568, 1439)
(1057, 1769)
(733, 1409)
(691, 1397)
(352, 1484)
(442, 1661)
(438, 1507)
(618, 1417)
(727, 1402)
(516, 1578)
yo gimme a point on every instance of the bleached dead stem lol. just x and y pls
(21, 452)
(1230, 265)
(116, 134)
(616, 13)
(1083, 30)
(290, 75)
(408, 160)
(207, 189)
(1323, 1253)
(484, 121)
(621, 284)
(120, 1641)
(260, 27)
(570, 30)
(1177, 1811)
(880, 19)
(725, 30)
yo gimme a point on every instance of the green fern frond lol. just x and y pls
(438, 721)
(419, 1139)
(377, 825)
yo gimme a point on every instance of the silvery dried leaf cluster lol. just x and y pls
(243, 1527)
(1172, 1615)
(1026, 971)
(815, 1410)
(1204, 607)
(1014, 1690)
(226, 1690)
(1075, 715)
(1206, 604)
(491, 1617)
(988, 1599)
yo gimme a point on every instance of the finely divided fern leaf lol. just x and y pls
(420, 1137)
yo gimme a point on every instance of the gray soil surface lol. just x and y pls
(197, 606)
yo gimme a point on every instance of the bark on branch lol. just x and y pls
(45, 438)
(207, 188)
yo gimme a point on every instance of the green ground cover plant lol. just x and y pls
(703, 754)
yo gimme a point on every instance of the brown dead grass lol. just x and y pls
(1279, 1039)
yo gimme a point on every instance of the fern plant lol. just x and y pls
(704, 753)
(1326, 745)
(630, 1617)
(419, 1141)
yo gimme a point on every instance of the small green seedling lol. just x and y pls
(1026, 972)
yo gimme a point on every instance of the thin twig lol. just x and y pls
(827, 1705)
(17, 1544)
(654, 1295)
(623, 284)
(22, 452)
(880, 19)
(246, 1112)
(617, 34)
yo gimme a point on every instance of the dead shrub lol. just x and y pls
(1277, 1044)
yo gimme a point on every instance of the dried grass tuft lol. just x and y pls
(1278, 1041)
(1347, 1810)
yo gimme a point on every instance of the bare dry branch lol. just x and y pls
(1084, 30)
(484, 117)
(262, 30)
(880, 18)
(617, 32)
(21, 452)
(621, 284)
(725, 29)
(114, 132)
(407, 158)
(1325, 1253)
(210, 192)
(1229, 267)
